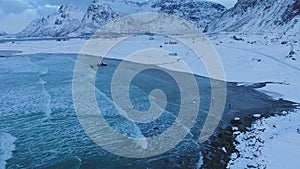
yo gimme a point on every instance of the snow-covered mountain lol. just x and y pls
(200, 13)
(259, 16)
(2, 33)
(101, 12)
(96, 15)
(66, 20)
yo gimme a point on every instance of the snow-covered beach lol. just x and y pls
(245, 62)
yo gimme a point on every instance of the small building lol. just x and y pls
(62, 39)
(173, 43)
(149, 33)
(173, 54)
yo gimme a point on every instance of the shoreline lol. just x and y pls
(226, 145)
(254, 147)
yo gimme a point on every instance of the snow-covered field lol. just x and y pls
(271, 142)
(265, 60)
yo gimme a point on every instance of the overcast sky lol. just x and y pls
(17, 14)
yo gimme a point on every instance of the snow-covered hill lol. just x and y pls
(2, 33)
(70, 21)
(66, 20)
(260, 16)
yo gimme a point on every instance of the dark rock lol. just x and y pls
(237, 39)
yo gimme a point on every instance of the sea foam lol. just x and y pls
(7, 147)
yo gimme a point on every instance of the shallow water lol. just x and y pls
(37, 109)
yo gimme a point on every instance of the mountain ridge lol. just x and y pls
(61, 23)
(260, 16)
(2, 33)
(199, 13)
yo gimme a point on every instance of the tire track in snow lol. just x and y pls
(266, 55)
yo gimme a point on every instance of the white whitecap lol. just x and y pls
(7, 147)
